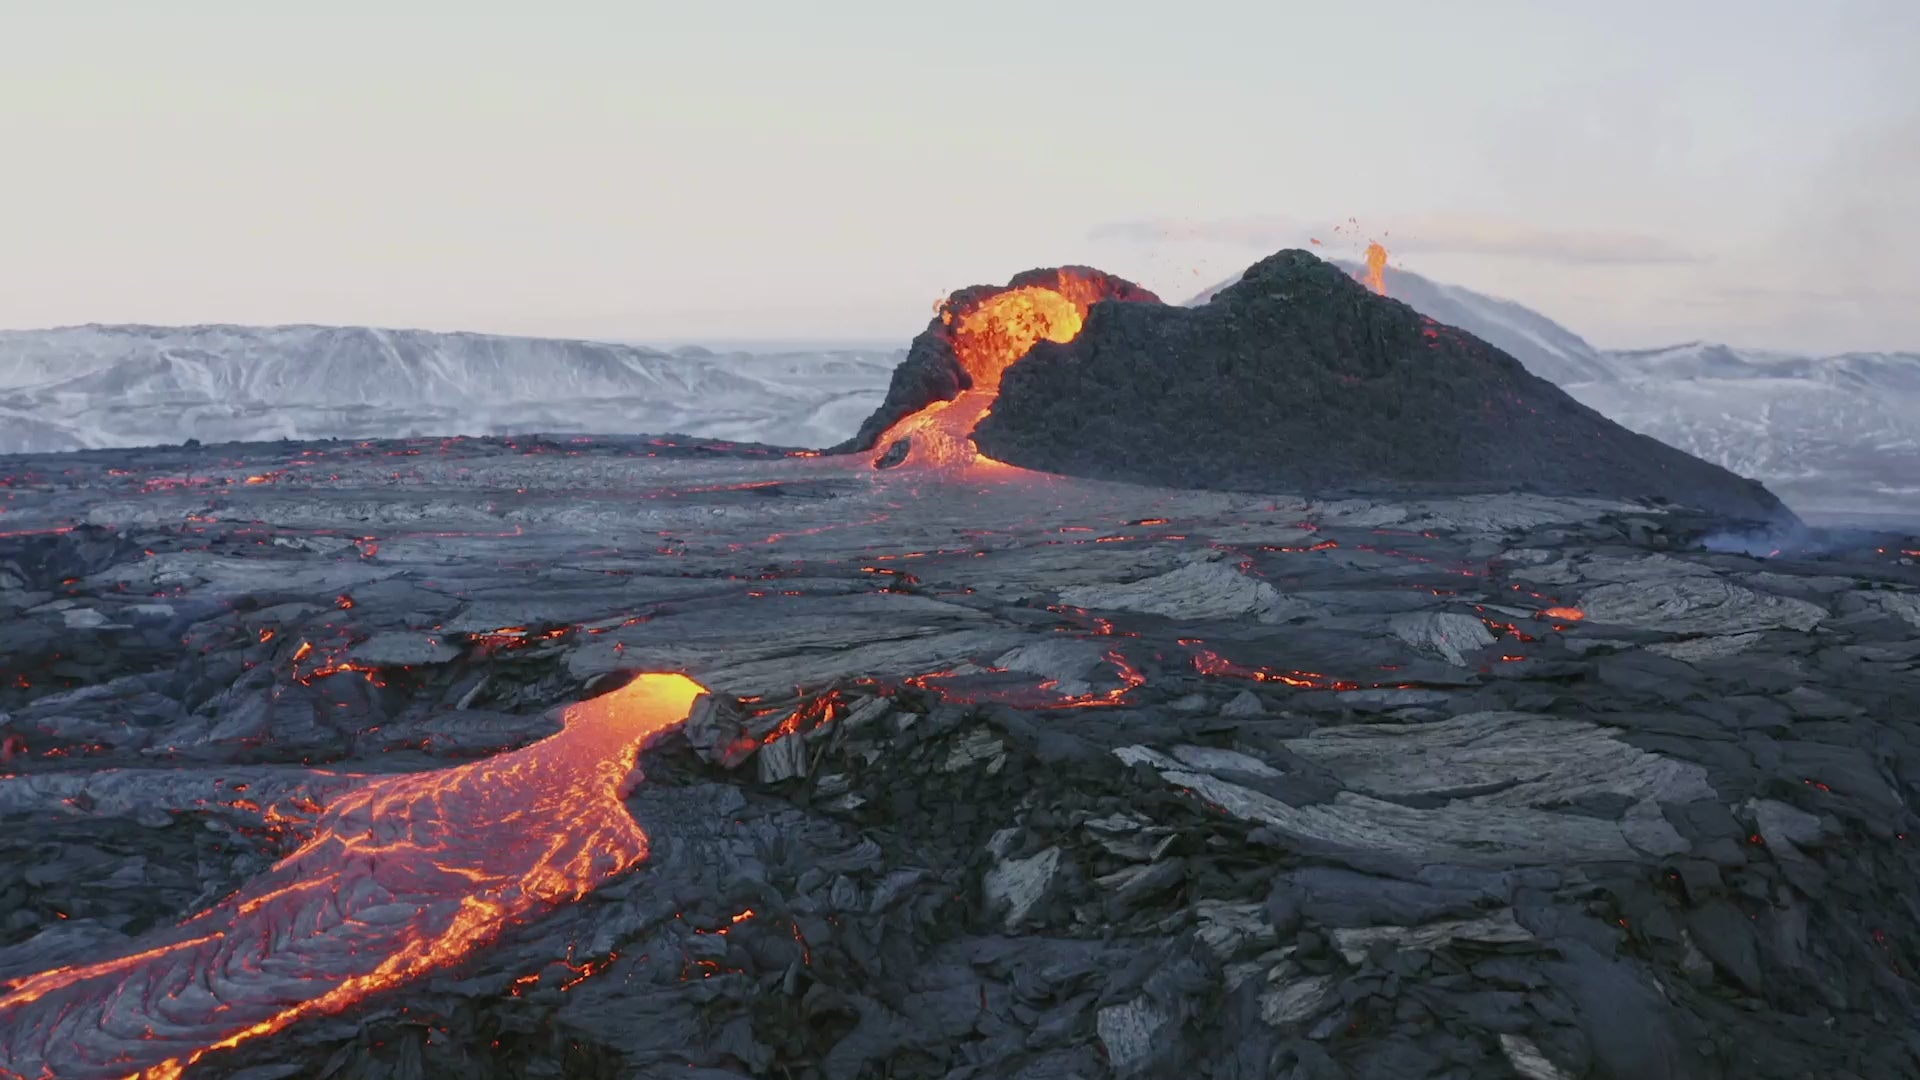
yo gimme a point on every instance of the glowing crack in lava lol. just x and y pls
(403, 874)
(988, 337)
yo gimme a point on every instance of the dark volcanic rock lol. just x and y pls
(1297, 378)
(1034, 779)
(932, 372)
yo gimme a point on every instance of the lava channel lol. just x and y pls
(988, 337)
(403, 875)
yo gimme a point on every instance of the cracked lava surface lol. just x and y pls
(1010, 744)
(402, 875)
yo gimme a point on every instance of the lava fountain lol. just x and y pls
(1377, 268)
(989, 330)
(402, 875)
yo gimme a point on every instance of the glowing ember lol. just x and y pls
(402, 875)
(809, 716)
(1377, 268)
(988, 338)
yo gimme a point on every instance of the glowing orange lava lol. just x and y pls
(1208, 662)
(1567, 614)
(1377, 268)
(403, 875)
(988, 338)
(1046, 695)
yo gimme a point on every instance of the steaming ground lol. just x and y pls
(1031, 777)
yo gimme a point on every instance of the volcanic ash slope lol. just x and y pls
(1298, 378)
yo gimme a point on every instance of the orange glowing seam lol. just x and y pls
(1130, 678)
(1208, 662)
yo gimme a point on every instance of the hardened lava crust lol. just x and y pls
(330, 759)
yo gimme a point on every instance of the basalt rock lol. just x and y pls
(932, 371)
(1131, 783)
(1297, 378)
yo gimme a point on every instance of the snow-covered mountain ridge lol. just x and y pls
(1836, 433)
(98, 386)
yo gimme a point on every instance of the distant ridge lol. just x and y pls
(122, 385)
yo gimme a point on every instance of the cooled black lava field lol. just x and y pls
(316, 764)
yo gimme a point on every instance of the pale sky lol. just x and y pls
(1644, 172)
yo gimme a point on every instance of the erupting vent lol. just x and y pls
(1377, 268)
(982, 332)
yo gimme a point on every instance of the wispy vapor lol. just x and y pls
(1433, 233)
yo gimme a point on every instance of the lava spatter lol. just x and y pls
(1377, 268)
(988, 336)
(402, 875)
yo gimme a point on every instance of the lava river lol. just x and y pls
(988, 337)
(402, 875)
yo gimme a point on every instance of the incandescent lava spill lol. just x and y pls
(401, 875)
(952, 372)
(1377, 268)
(1299, 378)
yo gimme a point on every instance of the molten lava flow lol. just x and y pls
(403, 875)
(1377, 268)
(988, 338)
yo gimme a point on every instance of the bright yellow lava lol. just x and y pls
(988, 339)
(1377, 268)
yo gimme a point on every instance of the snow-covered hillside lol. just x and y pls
(96, 386)
(1837, 434)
